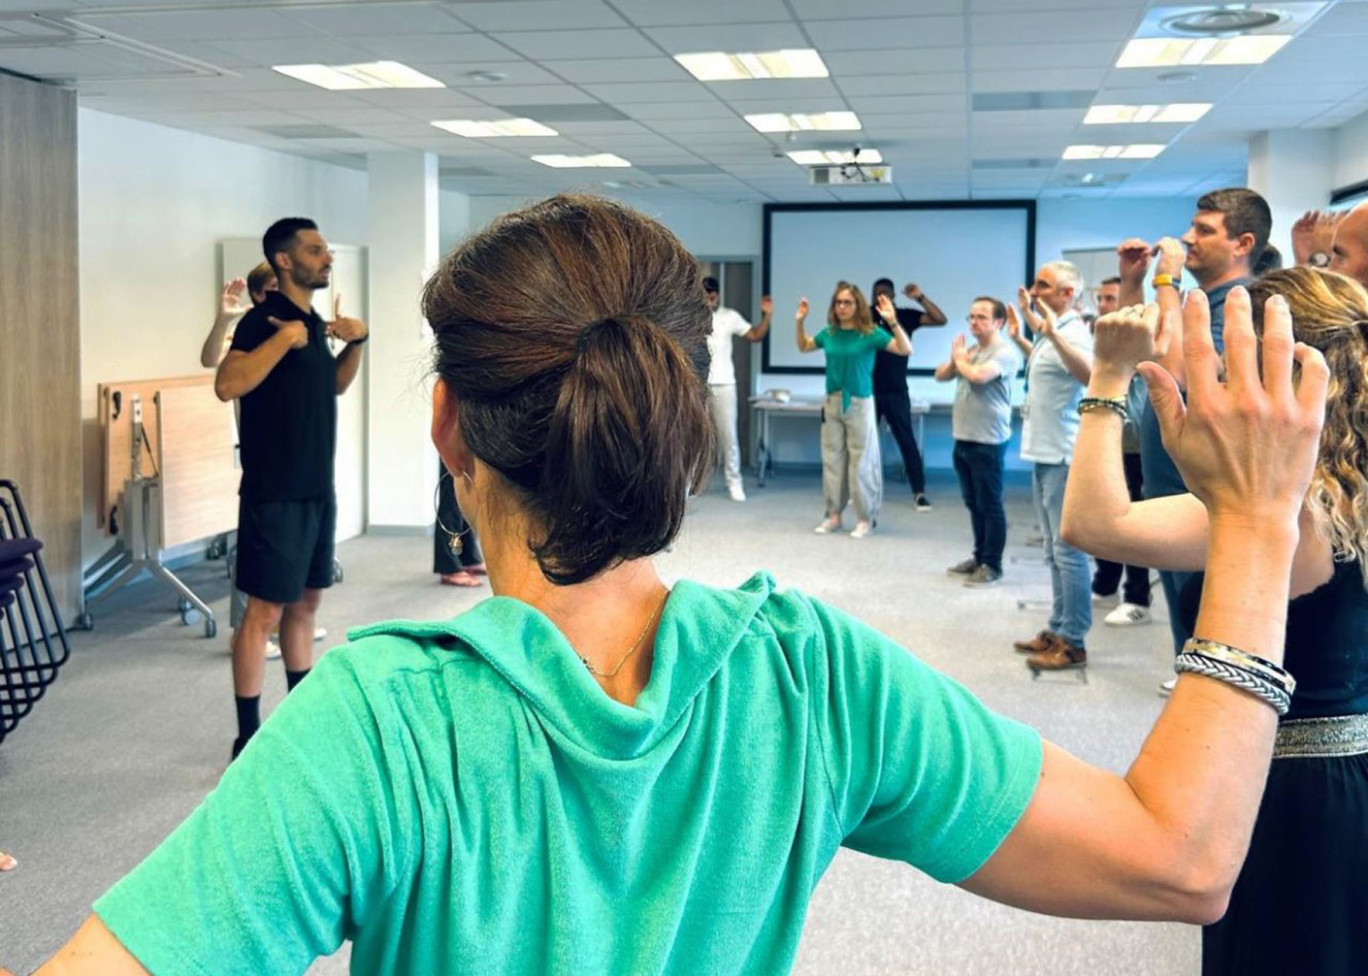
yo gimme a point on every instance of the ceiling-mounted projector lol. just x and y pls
(851, 174)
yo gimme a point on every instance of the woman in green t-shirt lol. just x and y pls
(852, 469)
(597, 771)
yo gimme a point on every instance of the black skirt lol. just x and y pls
(1300, 905)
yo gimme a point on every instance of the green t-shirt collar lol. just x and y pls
(699, 627)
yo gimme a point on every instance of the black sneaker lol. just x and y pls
(985, 575)
(964, 568)
(923, 503)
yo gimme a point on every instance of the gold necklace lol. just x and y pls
(631, 650)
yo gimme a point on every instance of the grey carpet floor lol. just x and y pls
(137, 728)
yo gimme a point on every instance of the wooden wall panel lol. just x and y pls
(40, 369)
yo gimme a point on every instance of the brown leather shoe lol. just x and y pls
(1061, 657)
(1039, 644)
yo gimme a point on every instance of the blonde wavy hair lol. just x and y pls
(864, 318)
(1330, 312)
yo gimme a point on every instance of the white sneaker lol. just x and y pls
(272, 650)
(1128, 615)
(830, 525)
(738, 494)
(861, 530)
(1106, 599)
(1166, 687)
(320, 633)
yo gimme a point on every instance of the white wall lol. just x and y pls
(154, 203)
(1351, 152)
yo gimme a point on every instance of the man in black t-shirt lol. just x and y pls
(282, 371)
(891, 401)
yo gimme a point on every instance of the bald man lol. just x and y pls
(1349, 252)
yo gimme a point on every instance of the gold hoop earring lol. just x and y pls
(454, 541)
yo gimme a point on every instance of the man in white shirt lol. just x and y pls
(726, 324)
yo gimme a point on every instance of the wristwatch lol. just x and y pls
(1319, 260)
(1160, 280)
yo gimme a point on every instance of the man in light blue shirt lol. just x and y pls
(1057, 372)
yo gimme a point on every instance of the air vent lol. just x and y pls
(305, 132)
(1027, 101)
(1222, 21)
(706, 170)
(570, 113)
(1020, 163)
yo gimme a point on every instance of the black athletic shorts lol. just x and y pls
(284, 547)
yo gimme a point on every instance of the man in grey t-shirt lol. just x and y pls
(1057, 372)
(981, 422)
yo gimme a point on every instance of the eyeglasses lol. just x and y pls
(971, 319)
(844, 301)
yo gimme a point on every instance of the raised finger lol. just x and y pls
(1314, 381)
(1241, 347)
(1276, 348)
(1201, 363)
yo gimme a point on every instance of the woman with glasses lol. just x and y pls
(852, 469)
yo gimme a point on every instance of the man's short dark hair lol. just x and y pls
(1245, 212)
(1113, 280)
(280, 235)
(710, 285)
(999, 309)
(885, 283)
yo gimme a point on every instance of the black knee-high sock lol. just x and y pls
(249, 720)
(293, 678)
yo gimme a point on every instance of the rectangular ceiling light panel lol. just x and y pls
(834, 157)
(350, 77)
(560, 161)
(1178, 112)
(799, 122)
(1167, 52)
(473, 129)
(1133, 151)
(719, 66)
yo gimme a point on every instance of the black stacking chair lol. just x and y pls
(33, 641)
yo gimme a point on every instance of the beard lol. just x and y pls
(305, 278)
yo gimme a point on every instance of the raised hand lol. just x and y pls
(337, 305)
(766, 305)
(802, 309)
(1039, 316)
(1314, 233)
(297, 331)
(347, 329)
(884, 306)
(959, 349)
(1124, 339)
(1246, 446)
(912, 291)
(1172, 256)
(1013, 323)
(230, 299)
(1133, 259)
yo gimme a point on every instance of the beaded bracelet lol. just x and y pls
(1115, 404)
(1259, 687)
(1263, 667)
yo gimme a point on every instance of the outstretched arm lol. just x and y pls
(1167, 839)
(805, 344)
(230, 310)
